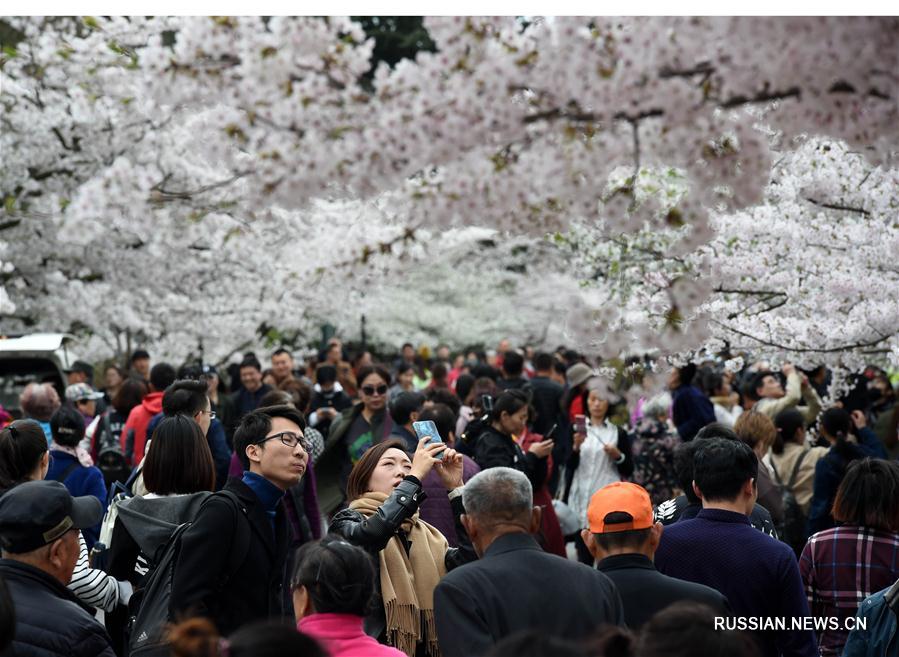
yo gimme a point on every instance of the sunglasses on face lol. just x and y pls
(371, 390)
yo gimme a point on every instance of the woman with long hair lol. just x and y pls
(179, 474)
(384, 491)
(843, 565)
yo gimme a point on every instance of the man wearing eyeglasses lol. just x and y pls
(190, 397)
(273, 449)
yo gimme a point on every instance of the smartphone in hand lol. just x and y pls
(428, 429)
(580, 424)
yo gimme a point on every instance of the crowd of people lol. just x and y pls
(299, 508)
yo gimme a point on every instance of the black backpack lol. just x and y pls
(793, 533)
(150, 611)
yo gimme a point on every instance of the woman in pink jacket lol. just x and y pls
(333, 584)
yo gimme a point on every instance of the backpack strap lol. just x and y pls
(61, 477)
(795, 472)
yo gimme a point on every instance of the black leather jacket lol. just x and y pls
(372, 534)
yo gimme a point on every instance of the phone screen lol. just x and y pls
(428, 429)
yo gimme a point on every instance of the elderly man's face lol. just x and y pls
(76, 377)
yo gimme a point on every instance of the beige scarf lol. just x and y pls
(408, 580)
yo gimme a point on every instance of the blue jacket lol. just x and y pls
(80, 481)
(829, 472)
(758, 574)
(878, 637)
(218, 445)
(691, 410)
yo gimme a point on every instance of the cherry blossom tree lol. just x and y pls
(188, 149)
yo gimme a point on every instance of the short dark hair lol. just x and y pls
(446, 397)
(716, 430)
(251, 362)
(404, 367)
(139, 353)
(22, 444)
(276, 397)
(711, 380)
(325, 373)
(439, 372)
(631, 539)
(256, 424)
(721, 467)
(683, 468)
(758, 380)
(442, 416)
(162, 375)
(178, 460)
(67, 426)
(357, 483)
(836, 422)
(407, 344)
(197, 637)
(868, 496)
(279, 351)
(543, 362)
(130, 394)
(513, 363)
(339, 577)
(368, 370)
(687, 628)
(185, 397)
(686, 374)
(404, 404)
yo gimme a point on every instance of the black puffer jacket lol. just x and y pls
(372, 534)
(50, 620)
(495, 449)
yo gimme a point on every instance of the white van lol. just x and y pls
(37, 357)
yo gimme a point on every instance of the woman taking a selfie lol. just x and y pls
(384, 491)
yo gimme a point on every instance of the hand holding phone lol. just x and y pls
(428, 429)
(580, 424)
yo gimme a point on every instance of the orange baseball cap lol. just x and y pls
(620, 497)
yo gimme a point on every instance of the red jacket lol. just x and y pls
(138, 420)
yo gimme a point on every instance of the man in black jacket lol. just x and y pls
(272, 439)
(515, 585)
(687, 505)
(623, 538)
(39, 523)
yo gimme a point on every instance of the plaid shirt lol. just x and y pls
(842, 566)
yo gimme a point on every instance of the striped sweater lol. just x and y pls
(94, 587)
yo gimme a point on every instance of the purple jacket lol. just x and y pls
(436, 509)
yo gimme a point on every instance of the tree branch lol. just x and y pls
(837, 206)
